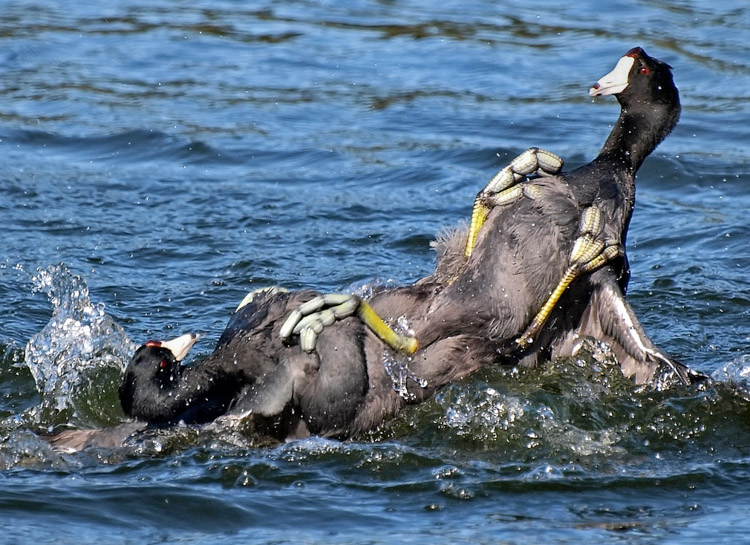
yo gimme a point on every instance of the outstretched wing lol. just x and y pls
(609, 318)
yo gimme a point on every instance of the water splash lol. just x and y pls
(397, 365)
(487, 410)
(735, 374)
(79, 337)
(397, 368)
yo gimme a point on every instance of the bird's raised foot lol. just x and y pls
(311, 317)
(508, 185)
(590, 251)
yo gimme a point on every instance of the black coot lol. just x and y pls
(466, 315)
(525, 248)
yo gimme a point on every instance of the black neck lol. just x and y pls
(639, 129)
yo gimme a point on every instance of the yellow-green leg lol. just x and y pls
(505, 188)
(588, 254)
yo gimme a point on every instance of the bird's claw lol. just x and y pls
(590, 251)
(312, 317)
(507, 186)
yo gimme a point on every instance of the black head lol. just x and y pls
(154, 370)
(639, 79)
(650, 106)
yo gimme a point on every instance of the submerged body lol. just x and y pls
(468, 314)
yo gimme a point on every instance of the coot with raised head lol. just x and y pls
(548, 255)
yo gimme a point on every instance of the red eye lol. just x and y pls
(645, 70)
(163, 364)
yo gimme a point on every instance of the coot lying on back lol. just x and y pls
(561, 234)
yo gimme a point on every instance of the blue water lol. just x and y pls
(160, 159)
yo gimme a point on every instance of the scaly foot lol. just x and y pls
(589, 253)
(310, 318)
(507, 187)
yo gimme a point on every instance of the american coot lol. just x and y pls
(586, 216)
(560, 234)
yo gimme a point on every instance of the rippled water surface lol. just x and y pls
(158, 160)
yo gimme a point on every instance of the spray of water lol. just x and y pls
(80, 337)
